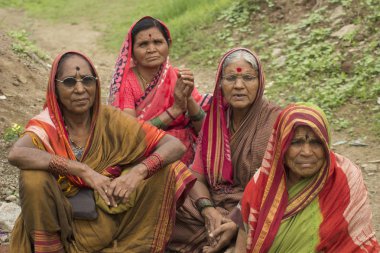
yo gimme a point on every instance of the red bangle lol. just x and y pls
(153, 163)
(170, 115)
(58, 165)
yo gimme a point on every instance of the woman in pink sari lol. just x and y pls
(146, 86)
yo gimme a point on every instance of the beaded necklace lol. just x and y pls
(77, 150)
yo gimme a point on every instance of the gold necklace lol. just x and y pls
(142, 79)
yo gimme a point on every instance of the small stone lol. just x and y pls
(22, 79)
(370, 167)
(338, 12)
(345, 30)
(3, 97)
(4, 237)
(281, 61)
(339, 143)
(9, 213)
(11, 198)
(276, 52)
(358, 143)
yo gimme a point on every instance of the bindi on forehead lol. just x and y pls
(238, 69)
(77, 68)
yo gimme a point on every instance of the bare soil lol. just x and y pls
(24, 81)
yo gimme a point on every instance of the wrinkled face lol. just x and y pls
(150, 48)
(305, 155)
(240, 84)
(77, 98)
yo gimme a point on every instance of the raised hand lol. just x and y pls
(188, 80)
(180, 99)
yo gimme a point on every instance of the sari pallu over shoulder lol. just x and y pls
(226, 161)
(214, 158)
(116, 141)
(106, 123)
(338, 188)
(158, 96)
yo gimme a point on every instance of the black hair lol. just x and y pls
(147, 23)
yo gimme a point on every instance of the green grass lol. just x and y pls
(12, 133)
(203, 30)
(23, 46)
(114, 17)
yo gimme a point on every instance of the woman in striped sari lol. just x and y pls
(230, 149)
(305, 197)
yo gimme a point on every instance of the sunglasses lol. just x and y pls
(70, 82)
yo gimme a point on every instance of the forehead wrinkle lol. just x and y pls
(305, 133)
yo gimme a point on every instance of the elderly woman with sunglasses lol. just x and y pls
(305, 197)
(93, 179)
(229, 151)
(145, 85)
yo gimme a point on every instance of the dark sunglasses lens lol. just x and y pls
(70, 82)
(88, 80)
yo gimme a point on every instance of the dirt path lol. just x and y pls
(55, 38)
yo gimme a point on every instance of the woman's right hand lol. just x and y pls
(213, 219)
(180, 99)
(99, 183)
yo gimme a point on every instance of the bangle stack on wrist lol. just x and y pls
(153, 163)
(170, 115)
(58, 165)
(199, 116)
(157, 122)
(202, 203)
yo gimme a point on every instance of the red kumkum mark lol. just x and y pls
(238, 69)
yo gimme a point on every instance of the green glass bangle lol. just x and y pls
(199, 116)
(202, 203)
(158, 123)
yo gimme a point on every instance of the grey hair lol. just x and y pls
(240, 54)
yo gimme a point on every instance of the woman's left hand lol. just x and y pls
(213, 219)
(121, 187)
(223, 236)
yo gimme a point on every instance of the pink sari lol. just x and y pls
(125, 92)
